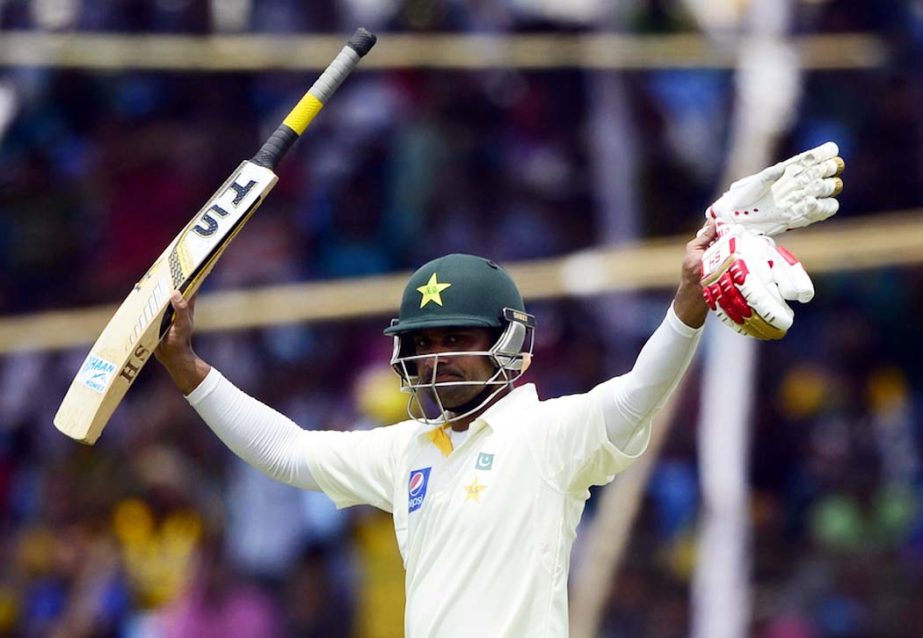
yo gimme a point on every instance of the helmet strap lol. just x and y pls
(481, 397)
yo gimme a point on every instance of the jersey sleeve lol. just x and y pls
(573, 447)
(638, 395)
(354, 468)
(264, 438)
(350, 467)
(589, 438)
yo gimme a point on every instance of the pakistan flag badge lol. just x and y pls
(485, 461)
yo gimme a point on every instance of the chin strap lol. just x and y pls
(479, 398)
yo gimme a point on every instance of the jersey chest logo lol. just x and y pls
(416, 488)
(485, 461)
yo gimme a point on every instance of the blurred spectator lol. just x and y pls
(158, 531)
(217, 604)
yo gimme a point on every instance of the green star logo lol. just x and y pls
(431, 291)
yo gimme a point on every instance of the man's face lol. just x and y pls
(434, 341)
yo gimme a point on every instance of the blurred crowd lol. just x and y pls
(159, 531)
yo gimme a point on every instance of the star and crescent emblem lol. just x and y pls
(432, 291)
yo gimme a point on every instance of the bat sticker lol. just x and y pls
(96, 373)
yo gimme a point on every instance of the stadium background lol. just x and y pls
(157, 530)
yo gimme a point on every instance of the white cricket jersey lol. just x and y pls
(486, 530)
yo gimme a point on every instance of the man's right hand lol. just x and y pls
(175, 351)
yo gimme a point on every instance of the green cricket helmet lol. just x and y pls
(461, 291)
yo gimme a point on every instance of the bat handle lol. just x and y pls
(313, 101)
(275, 147)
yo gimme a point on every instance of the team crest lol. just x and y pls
(473, 491)
(416, 488)
(432, 291)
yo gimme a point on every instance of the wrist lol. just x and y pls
(187, 372)
(689, 305)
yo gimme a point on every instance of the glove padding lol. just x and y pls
(746, 279)
(792, 194)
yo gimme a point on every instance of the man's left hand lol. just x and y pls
(791, 194)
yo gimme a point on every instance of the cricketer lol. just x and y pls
(486, 482)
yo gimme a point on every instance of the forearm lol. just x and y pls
(259, 435)
(637, 395)
(689, 304)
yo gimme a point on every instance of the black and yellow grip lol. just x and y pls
(313, 101)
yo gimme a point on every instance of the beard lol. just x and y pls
(463, 390)
(453, 397)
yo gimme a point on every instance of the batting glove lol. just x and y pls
(792, 194)
(746, 279)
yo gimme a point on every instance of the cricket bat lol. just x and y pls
(139, 324)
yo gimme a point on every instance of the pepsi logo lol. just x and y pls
(416, 488)
(416, 483)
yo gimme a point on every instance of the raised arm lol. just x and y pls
(689, 304)
(259, 435)
(637, 395)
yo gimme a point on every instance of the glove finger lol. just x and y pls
(832, 167)
(735, 305)
(775, 317)
(805, 208)
(718, 285)
(810, 209)
(793, 179)
(731, 323)
(816, 155)
(816, 210)
(828, 168)
(826, 207)
(730, 299)
(770, 317)
(832, 186)
(791, 277)
(799, 177)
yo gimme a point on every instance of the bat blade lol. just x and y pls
(137, 327)
(131, 336)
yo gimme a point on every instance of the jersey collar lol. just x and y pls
(503, 412)
(509, 409)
